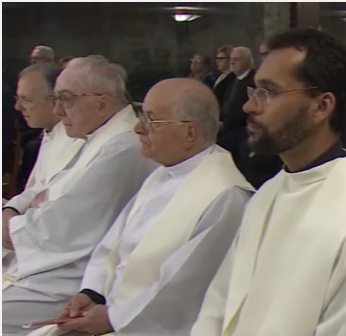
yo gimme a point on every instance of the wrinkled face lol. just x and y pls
(162, 142)
(239, 63)
(37, 57)
(198, 65)
(78, 108)
(34, 101)
(222, 62)
(283, 121)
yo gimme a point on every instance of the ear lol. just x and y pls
(102, 104)
(325, 106)
(192, 133)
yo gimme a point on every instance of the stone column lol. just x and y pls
(276, 18)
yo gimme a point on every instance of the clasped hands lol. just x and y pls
(88, 316)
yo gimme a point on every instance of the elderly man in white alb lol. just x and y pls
(54, 238)
(35, 100)
(286, 273)
(149, 274)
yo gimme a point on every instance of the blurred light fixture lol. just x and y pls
(185, 17)
(186, 14)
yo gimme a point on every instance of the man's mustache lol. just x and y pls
(251, 121)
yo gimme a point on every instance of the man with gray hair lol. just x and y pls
(54, 238)
(42, 54)
(36, 103)
(149, 274)
(233, 131)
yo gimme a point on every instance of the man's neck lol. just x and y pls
(189, 154)
(302, 155)
(50, 126)
(242, 73)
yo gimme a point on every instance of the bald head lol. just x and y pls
(241, 60)
(42, 54)
(187, 99)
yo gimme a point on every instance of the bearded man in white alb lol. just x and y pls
(286, 272)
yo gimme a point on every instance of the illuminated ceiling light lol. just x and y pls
(185, 17)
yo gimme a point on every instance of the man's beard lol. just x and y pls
(291, 134)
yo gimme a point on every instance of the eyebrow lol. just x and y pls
(267, 83)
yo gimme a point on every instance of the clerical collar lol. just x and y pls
(90, 136)
(49, 135)
(188, 165)
(243, 75)
(334, 152)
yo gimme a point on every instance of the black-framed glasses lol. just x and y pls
(147, 123)
(67, 98)
(263, 96)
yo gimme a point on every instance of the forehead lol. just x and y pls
(36, 52)
(157, 102)
(31, 81)
(279, 67)
(221, 54)
(71, 79)
(237, 53)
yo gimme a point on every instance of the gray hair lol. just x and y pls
(247, 54)
(50, 73)
(201, 110)
(102, 76)
(45, 51)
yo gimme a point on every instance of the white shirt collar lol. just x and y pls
(243, 75)
(188, 165)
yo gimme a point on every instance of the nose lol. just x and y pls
(58, 110)
(251, 107)
(18, 106)
(138, 128)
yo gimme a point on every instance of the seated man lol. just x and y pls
(36, 103)
(54, 234)
(149, 274)
(286, 273)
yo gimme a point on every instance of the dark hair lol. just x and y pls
(50, 73)
(324, 66)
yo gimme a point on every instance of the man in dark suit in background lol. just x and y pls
(233, 129)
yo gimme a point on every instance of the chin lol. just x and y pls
(145, 152)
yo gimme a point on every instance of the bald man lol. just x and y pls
(149, 274)
(42, 54)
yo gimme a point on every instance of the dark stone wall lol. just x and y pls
(143, 37)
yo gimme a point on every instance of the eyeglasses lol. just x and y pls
(263, 96)
(67, 98)
(147, 123)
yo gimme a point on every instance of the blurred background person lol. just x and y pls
(201, 69)
(63, 62)
(42, 54)
(227, 77)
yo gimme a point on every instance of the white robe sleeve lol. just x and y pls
(211, 316)
(96, 273)
(22, 201)
(171, 305)
(67, 229)
(333, 321)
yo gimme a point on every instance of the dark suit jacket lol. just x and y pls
(221, 89)
(257, 169)
(234, 128)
